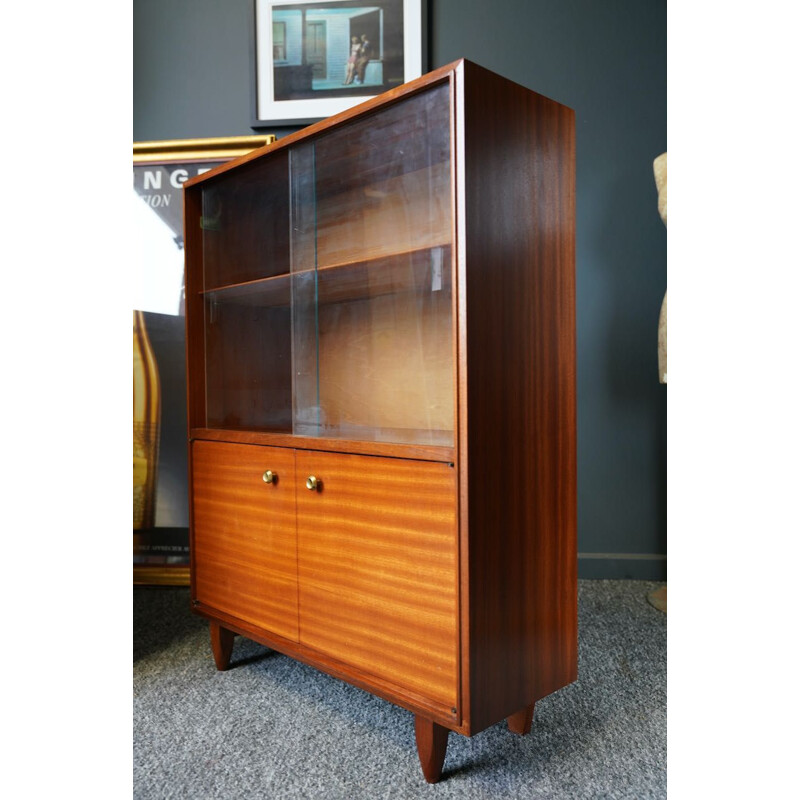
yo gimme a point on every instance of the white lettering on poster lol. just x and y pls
(152, 180)
(177, 178)
(158, 286)
(157, 200)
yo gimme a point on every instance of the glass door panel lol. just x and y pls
(371, 258)
(248, 363)
(246, 294)
(245, 223)
(305, 334)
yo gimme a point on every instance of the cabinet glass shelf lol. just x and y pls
(418, 269)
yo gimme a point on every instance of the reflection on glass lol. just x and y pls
(245, 224)
(328, 283)
(371, 277)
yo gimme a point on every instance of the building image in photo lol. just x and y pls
(337, 48)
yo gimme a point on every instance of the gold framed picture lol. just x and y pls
(160, 479)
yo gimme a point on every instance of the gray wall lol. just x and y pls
(607, 60)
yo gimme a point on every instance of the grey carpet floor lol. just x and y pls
(273, 728)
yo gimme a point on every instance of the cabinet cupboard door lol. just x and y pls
(244, 533)
(377, 565)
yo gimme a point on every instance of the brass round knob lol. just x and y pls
(269, 476)
(311, 483)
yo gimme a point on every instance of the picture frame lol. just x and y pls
(302, 51)
(160, 466)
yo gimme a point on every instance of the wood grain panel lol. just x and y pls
(246, 223)
(387, 689)
(377, 562)
(244, 533)
(518, 363)
(383, 218)
(248, 367)
(362, 447)
(393, 140)
(388, 363)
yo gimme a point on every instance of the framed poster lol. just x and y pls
(160, 480)
(315, 58)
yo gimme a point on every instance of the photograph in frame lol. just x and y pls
(318, 58)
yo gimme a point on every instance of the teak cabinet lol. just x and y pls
(380, 315)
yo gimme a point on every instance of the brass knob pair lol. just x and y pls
(312, 484)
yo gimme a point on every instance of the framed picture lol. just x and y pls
(315, 58)
(160, 481)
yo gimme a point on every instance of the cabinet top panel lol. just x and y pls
(448, 72)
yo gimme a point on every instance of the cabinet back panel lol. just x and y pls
(392, 141)
(244, 533)
(248, 367)
(378, 575)
(245, 223)
(385, 365)
(388, 217)
(375, 186)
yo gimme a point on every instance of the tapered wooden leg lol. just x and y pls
(431, 746)
(221, 645)
(521, 721)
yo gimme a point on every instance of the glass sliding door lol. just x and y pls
(247, 324)
(371, 262)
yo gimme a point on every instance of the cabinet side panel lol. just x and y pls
(519, 173)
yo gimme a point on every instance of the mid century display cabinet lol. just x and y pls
(380, 323)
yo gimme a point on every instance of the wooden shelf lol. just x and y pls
(361, 446)
(414, 270)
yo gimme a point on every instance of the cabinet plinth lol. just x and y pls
(380, 314)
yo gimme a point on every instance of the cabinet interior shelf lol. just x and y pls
(404, 444)
(416, 269)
